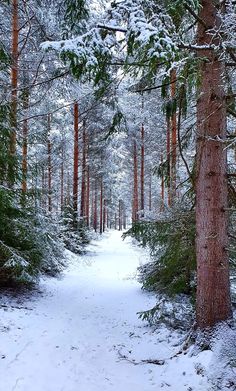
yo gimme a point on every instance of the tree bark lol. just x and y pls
(168, 161)
(104, 215)
(49, 146)
(25, 131)
(213, 288)
(14, 84)
(173, 137)
(162, 188)
(95, 208)
(83, 181)
(62, 177)
(88, 196)
(135, 184)
(76, 162)
(101, 207)
(142, 170)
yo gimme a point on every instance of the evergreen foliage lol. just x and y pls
(75, 235)
(29, 242)
(170, 240)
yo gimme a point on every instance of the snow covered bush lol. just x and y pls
(29, 243)
(170, 240)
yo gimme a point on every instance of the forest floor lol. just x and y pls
(81, 332)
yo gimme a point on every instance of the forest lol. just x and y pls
(117, 195)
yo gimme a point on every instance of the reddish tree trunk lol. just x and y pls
(76, 161)
(135, 184)
(83, 182)
(95, 208)
(49, 145)
(62, 179)
(162, 188)
(101, 207)
(213, 289)
(168, 161)
(173, 137)
(88, 196)
(14, 84)
(142, 170)
(25, 141)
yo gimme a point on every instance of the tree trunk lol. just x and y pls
(168, 161)
(142, 171)
(213, 288)
(49, 145)
(43, 201)
(76, 162)
(88, 196)
(135, 184)
(124, 216)
(95, 208)
(25, 138)
(101, 207)
(14, 85)
(104, 216)
(83, 182)
(162, 188)
(62, 178)
(173, 137)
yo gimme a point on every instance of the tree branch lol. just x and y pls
(179, 138)
(193, 13)
(231, 112)
(112, 28)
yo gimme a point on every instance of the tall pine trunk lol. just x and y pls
(49, 147)
(213, 289)
(83, 181)
(135, 184)
(95, 207)
(76, 162)
(142, 170)
(104, 215)
(173, 136)
(162, 188)
(88, 195)
(14, 85)
(62, 177)
(101, 207)
(168, 160)
(25, 132)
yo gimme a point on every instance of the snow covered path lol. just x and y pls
(73, 335)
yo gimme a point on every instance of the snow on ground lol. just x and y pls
(76, 333)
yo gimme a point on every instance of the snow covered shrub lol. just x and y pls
(171, 241)
(29, 243)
